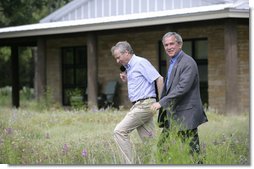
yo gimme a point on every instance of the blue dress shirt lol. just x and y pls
(141, 75)
(171, 65)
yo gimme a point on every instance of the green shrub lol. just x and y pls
(76, 98)
(56, 136)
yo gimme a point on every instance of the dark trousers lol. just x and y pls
(192, 136)
(187, 136)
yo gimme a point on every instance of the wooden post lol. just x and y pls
(15, 75)
(231, 65)
(92, 70)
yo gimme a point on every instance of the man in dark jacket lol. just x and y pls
(180, 101)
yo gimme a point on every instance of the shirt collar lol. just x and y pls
(174, 58)
(130, 63)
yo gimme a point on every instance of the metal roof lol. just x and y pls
(227, 10)
(87, 9)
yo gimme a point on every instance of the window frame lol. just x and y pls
(200, 62)
(164, 64)
(75, 66)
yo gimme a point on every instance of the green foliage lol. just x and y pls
(46, 101)
(5, 52)
(228, 141)
(56, 136)
(171, 150)
(26, 67)
(5, 66)
(46, 134)
(27, 93)
(76, 98)
(20, 12)
(8, 153)
(5, 96)
(5, 91)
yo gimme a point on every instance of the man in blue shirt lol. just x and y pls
(141, 77)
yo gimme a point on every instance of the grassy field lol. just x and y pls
(32, 135)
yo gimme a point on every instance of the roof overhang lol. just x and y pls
(125, 21)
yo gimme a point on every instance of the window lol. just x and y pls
(74, 72)
(163, 60)
(198, 49)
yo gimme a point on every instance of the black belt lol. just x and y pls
(143, 99)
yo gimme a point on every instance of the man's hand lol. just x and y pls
(155, 106)
(123, 76)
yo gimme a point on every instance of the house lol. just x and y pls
(73, 46)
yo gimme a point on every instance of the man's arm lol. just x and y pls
(159, 84)
(123, 76)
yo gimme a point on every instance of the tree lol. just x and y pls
(5, 71)
(21, 12)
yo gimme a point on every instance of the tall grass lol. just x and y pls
(57, 136)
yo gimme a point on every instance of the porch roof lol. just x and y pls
(230, 10)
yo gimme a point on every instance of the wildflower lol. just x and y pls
(65, 148)
(47, 136)
(84, 153)
(149, 133)
(8, 130)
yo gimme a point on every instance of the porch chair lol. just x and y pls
(108, 98)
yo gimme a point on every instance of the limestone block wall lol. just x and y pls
(145, 42)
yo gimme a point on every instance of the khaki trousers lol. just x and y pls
(139, 117)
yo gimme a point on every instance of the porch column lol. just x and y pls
(231, 65)
(92, 70)
(40, 68)
(15, 75)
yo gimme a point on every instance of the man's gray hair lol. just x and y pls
(123, 46)
(177, 36)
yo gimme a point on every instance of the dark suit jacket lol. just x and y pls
(181, 102)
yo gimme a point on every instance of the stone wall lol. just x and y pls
(244, 68)
(53, 62)
(145, 42)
